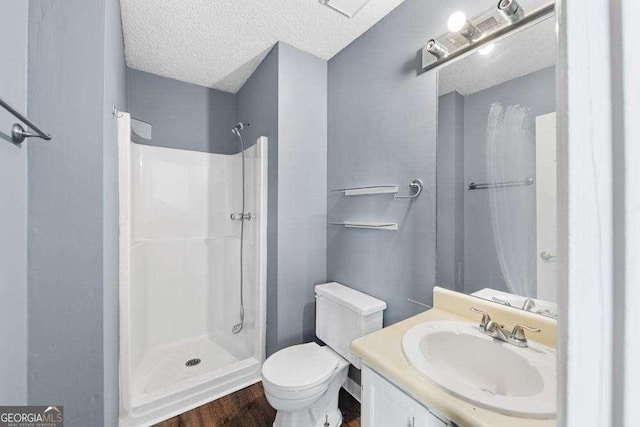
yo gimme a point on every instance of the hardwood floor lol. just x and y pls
(350, 408)
(249, 408)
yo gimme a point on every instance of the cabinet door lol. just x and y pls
(384, 405)
(425, 418)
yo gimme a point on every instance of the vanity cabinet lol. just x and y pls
(384, 405)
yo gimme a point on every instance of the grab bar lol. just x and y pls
(19, 133)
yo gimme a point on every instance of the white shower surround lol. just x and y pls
(179, 276)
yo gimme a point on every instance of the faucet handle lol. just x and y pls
(501, 301)
(485, 316)
(529, 304)
(517, 334)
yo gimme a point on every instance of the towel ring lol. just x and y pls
(416, 185)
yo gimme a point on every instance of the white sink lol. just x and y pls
(486, 372)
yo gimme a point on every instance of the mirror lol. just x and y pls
(496, 171)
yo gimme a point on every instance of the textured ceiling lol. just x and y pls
(519, 54)
(219, 43)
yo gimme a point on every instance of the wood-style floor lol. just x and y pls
(249, 408)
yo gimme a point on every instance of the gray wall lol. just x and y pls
(382, 130)
(302, 189)
(183, 115)
(258, 105)
(536, 91)
(13, 208)
(75, 73)
(450, 189)
(286, 100)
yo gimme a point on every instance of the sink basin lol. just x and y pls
(486, 372)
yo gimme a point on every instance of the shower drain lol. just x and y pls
(192, 362)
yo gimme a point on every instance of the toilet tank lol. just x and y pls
(344, 314)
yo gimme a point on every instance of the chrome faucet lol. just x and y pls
(496, 331)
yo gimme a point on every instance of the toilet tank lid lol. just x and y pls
(356, 301)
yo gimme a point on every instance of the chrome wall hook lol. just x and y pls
(416, 185)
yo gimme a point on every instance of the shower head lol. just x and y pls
(237, 128)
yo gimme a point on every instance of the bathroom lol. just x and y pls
(213, 209)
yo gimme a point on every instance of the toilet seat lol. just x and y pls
(299, 368)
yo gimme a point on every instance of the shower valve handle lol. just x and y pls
(241, 217)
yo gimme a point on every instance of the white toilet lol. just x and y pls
(302, 381)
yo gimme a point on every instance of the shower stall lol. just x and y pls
(182, 229)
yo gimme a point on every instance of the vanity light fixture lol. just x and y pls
(458, 23)
(436, 49)
(468, 33)
(510, 10)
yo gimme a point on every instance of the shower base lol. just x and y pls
(164, 386)
(163, 367)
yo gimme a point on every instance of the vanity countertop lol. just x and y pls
(382, 351)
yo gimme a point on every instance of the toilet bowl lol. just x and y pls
(302, 382)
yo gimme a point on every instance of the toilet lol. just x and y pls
(302, 381)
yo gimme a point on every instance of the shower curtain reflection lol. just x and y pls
(510, 153)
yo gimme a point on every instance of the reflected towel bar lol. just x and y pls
(18, 132)
(526, 182)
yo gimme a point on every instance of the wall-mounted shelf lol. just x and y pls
(391, 226)
(362, 191)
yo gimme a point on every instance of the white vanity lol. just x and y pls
(384, 404)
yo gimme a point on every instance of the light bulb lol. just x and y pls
(457, 22)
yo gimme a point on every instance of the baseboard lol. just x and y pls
(353, 388)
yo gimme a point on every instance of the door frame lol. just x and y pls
(598, 212)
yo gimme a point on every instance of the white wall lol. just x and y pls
(13, 207)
